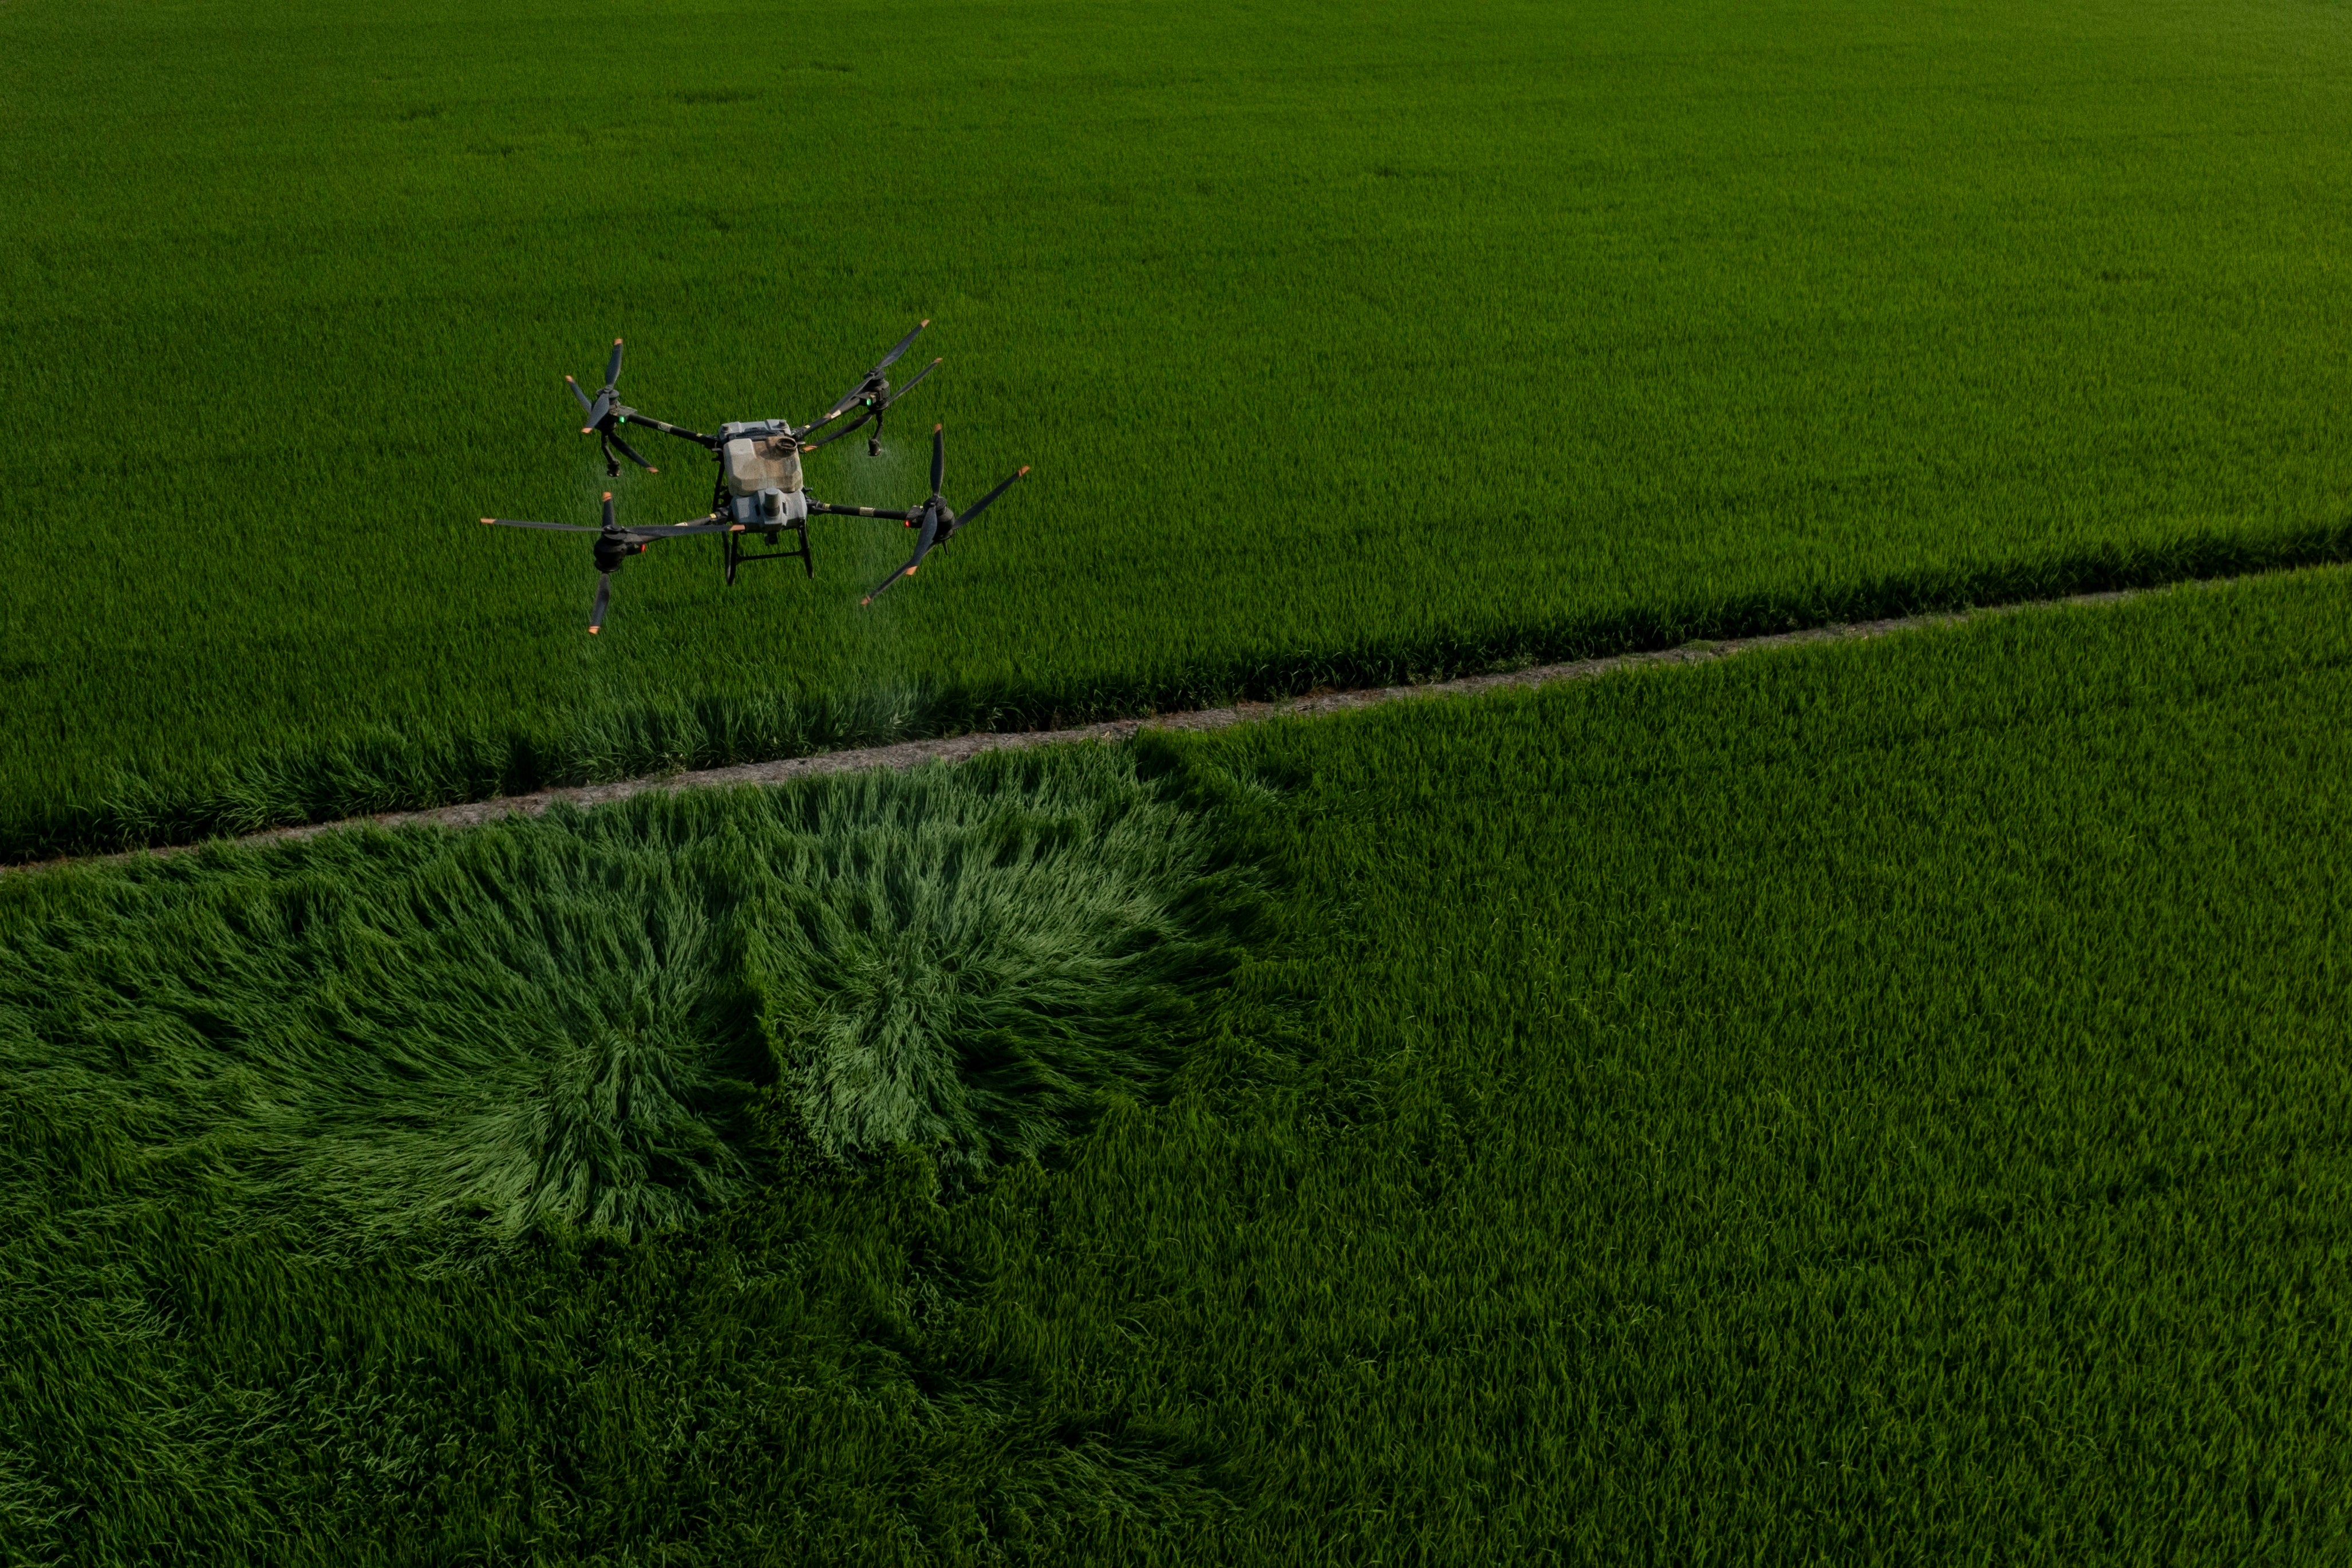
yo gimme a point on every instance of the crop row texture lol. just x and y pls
(1874, 1102)
(1348, 345)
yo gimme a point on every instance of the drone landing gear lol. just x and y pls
(737, 555)
(873, 442)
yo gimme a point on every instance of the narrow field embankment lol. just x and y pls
(956, 749)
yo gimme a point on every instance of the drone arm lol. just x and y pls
(677, 430)
(703, 525)
(826, 506)
(808, 446)
(868, 386)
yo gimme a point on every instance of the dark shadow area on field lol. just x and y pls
(599, 1182)
(623, 737)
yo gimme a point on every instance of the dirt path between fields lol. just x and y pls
(955, 748)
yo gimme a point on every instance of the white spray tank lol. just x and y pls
(763, 473)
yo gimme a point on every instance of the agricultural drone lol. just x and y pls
(759, 490)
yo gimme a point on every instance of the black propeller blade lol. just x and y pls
(603, 598)
(938, 458)
(904, 344)
(929, 536)
(967, 517)
(605, 399)
(911, 385)
(627, 451)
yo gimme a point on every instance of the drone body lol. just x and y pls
(760, 489)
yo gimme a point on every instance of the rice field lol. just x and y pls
(1346, 343)
(1877, 1102)
(1880, 1101)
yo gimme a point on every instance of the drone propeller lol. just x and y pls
(867, 382)
(605, 415)
(606, 397)
(938, 521)
(923, 543)
(880, 400)
(871, 397)
(615, 544)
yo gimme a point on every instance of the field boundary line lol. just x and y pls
(905, 754)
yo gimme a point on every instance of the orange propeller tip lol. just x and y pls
(1024, 469)
(587, 430)
(936, 428)
(926, 321)
(608, 494)
(616, 342)
(489, 519)
(651, 469)
(594, 630)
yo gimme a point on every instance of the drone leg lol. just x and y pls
(612, 463)
(873, 442)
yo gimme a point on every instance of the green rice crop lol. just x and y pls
(1348, 343)
(1883, 1102)
(322, 1169)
